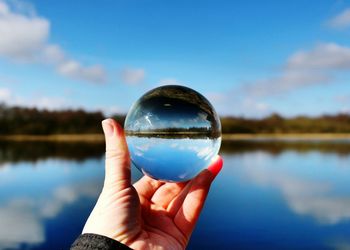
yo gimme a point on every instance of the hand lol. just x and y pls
(149, 214)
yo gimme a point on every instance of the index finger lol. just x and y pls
(191, 208)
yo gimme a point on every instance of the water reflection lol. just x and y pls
(15, 151)
(325, 199)
(270, 195)
(276, 147)
(22, 218)
(33, 197)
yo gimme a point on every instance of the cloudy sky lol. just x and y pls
(248, 58)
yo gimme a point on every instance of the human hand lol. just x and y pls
(150, 214)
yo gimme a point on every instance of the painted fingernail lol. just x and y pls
(107, 127)
(216, 166)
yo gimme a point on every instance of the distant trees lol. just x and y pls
(19, 120)
(275, 123)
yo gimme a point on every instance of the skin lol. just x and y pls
(149, 214)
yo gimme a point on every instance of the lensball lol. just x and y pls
(172, 132)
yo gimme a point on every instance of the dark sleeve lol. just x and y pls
(97, 242)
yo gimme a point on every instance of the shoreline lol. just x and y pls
(225, 137)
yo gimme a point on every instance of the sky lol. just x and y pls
(249, 58)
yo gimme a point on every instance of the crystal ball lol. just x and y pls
(172, 132)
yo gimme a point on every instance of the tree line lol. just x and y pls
(338, 123)
(21, 120)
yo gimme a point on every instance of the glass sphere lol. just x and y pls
(172, 132)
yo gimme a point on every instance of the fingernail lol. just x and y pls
(107, 127)
(216, 166)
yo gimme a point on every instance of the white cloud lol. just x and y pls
(53, 54)
(42, 102)
(75, 70)
(242, 102)
(215, 96)
(5, 95)
(255, 107)
(325, 56)
(110, 110)
(342, 99)
(24, 37)
(132, 76)
(3, 8)
(318, 66)
(288, 81)
(304, 68)
(342, 20)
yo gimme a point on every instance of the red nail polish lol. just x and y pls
(216, 166)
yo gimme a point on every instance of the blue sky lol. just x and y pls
(249, 58)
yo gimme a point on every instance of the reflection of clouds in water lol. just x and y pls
(340, 245)
(21, 218)
(20, 224)
(66, 195)
(305, 197)
(5, 166)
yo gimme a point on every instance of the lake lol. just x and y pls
(270, 195)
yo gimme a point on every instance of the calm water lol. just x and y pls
(270, 195)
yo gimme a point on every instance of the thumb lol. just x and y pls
(117, 171)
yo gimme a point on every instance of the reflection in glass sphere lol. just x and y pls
(172, 132)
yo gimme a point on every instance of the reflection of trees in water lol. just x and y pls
(279, 146)
(14, 151)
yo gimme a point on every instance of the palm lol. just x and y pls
(168, 211)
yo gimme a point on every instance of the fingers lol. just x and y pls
(176, 203)
(166, 193)
(189, 212)
(147, 186)
(117, 156)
